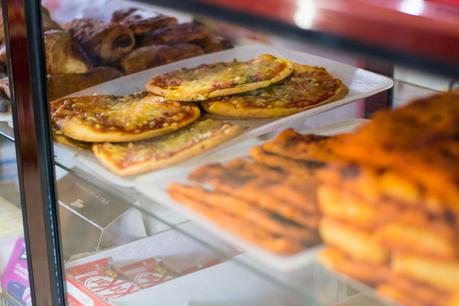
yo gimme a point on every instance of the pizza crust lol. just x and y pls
(78, 130)
(204, 94)
(228, 109)
(72, 143)
(149, 165)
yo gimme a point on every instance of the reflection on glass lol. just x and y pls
(412, 7)
(15, 289)
(305, 13)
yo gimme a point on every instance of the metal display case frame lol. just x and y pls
(347, 25)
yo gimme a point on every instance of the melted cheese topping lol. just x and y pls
(164, 147)
(133, 113)
(306, 86)
(210, 77)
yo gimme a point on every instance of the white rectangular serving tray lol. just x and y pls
(157, 190)
(361, 84)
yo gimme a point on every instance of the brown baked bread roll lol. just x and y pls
(176, 33)
(141, 21)
(63, 54)
(157, 55)
(104, 42)
(213, 43)
(60, 85)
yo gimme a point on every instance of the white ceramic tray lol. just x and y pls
(361, 84)
(157, 191)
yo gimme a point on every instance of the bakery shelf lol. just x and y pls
(310, 285)
(421, 34)
(187, 245)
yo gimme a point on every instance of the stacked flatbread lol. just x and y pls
(267, 199)
(390, 203)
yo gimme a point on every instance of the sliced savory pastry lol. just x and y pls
(139, 157)
(106, 118)
(306, 87)
(220, 79)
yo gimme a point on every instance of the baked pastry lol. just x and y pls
(307, 147)
(80, 145)
(235, 224)
(102, 118)
(426, 135)
(356, 243)
(141, 21)
(361, 270)
(175, 33)
(268, 205)
(220, 79)
(151, 56)
(413, 293)
(393, 188)
(437, 273)
(267, 230)
(143, 156)
(63, 54)
(105, 42)
(265, 187)
(61, 85)
(212, 43)
(305, 88)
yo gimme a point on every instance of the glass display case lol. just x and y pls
(246, 153)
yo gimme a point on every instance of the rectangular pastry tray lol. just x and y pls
(361, 84)
(157, 190)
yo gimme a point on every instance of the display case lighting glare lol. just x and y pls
(412, 7)
(305, 13)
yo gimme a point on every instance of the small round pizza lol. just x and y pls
(220, 79)
(106, 118)
(306, 87)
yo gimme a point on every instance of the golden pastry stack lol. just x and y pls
(390, 203)
(260, 198)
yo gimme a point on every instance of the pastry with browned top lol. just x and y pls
(175, 33)
(104, 118)
(305, 88)
(152, 56)
(105, 42)
(220, 79)
(141, 156)
(141, 21)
